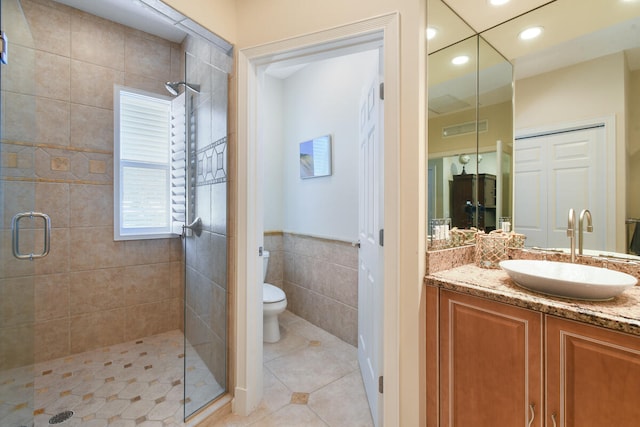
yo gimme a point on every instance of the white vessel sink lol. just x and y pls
(567, 280)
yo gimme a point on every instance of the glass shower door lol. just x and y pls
(205, 252)
(18, 189)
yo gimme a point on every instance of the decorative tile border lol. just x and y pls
(212, 163)
(55, 163)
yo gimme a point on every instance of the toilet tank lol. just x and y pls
(265, 264)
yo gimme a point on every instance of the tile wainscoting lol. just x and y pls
(320, 279)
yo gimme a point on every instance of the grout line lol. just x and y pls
(319, 416)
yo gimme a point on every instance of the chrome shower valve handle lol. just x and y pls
(195, 227)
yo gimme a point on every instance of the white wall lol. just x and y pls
(273, 146)
(590, 89)
(322, 98)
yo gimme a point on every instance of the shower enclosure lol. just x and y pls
(205, 324)
(93, 328)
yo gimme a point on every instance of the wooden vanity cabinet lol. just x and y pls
(487, 366)
(593, 376)
(490, 363)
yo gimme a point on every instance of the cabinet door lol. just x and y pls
(593, 376)
(463, 190)
(488, 197)
(432, 403)
(490, 363)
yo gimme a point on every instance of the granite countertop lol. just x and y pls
(621, 313)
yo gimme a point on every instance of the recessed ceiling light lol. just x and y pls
(460, 60)
(431, 33)
(530, 33)
(498, 2)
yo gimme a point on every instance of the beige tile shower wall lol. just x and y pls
(320, 279)
(57, 153)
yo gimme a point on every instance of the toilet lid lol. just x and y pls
(271, 293)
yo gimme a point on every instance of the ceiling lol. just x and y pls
(160, 20)
(481, 15)
(572, 33)
(151, 16)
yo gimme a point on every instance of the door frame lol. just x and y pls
(247, 354)
(614, 170)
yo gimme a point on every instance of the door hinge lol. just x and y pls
(381, 237)
(260, 250)
(382, 91)
(4, 44)
(380, 384)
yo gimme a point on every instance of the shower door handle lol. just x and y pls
(15, 235)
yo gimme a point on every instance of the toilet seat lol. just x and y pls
(271, 293)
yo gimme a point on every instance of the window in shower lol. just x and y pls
(144, 179)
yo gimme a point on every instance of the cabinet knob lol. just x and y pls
(553, 418)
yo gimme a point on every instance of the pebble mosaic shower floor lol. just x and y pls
(138, 383)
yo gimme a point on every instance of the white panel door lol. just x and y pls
(530, 190)
(370, 286)
(431, 191)
(555, 172)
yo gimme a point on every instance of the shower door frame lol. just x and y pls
(18, 269)
(206, 172)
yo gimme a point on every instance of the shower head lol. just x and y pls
(172, 87)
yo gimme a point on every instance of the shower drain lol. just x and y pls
(61, 417)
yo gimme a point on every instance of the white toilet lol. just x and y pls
(274, 301)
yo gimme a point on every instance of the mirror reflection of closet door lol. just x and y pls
(557, 171)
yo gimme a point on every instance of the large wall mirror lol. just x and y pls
(576, 116)
(470, 124)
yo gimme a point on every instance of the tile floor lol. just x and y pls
(311, 378)
(134, 384)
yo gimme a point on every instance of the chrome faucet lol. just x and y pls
(571, 233)
(585, 213)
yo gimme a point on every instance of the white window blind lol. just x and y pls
(142, 165)
(178, 163)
